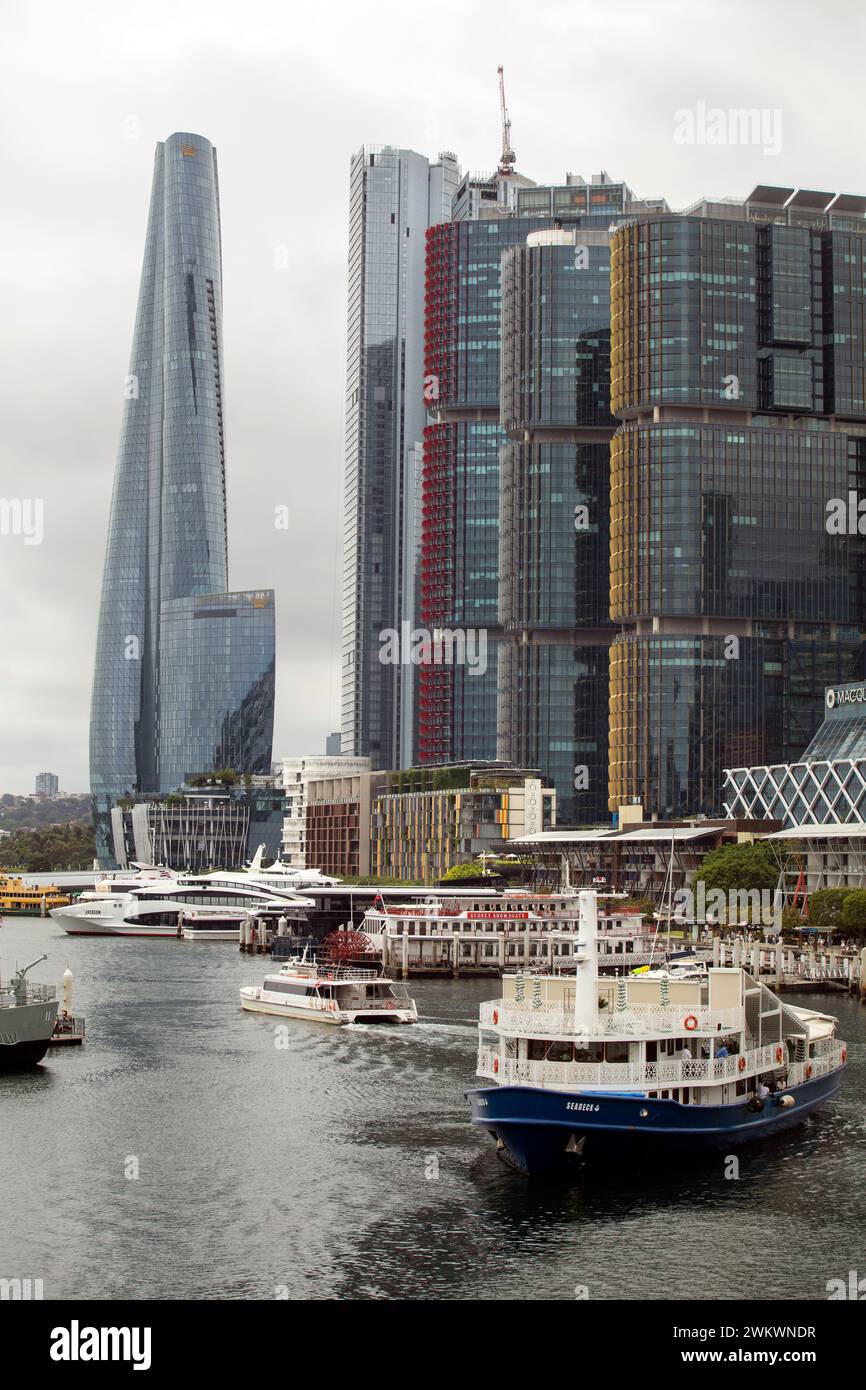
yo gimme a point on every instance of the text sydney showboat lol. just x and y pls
(330, 993)
(489, 934)
(626, 1068)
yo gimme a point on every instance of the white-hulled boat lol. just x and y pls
(330, 994)
(159, 906)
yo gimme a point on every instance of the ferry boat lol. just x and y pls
(325, 993)
(624, 1069)
(489, 933)
(27, 1017)
(159, 906)
(19, 897)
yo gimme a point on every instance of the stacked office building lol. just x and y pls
(635, 423)
(515, 484)
(737, 365)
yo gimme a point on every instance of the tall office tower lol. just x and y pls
(47, 784)
(554, 601)
(538, 423)
(738, 375)
(458, 562)
(395, 195)
(184, 673)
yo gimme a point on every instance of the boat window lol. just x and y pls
(616, 1052)
(542, 1050)
(285, 987)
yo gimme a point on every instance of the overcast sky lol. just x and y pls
(286, 93)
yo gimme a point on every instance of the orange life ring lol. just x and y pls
(690, 1022)
(742, 1064)
(778, 1054)
(495, 1015)
(844, 1054)
(495, 1066)
(808, 1070)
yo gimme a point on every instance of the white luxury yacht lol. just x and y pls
(162, 903)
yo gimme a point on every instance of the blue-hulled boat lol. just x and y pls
(587, 1067)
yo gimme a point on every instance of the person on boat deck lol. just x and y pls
(723, 1051)
(763, 1089)
(686, 1054)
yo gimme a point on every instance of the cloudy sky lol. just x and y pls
(287, 92)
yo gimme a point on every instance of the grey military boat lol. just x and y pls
(27, 1015)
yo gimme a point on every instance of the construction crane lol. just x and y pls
(508, 158)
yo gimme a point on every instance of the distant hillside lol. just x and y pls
(30, 813)
(67, 846)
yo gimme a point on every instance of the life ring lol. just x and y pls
(844, 1054)
(808, 1070)
(778, 1054)
(690, 1023)
(495, 1015)
(742, 1064)
(495, 1066)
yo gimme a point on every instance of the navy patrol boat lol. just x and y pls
(27, 1016)
(584, 1066)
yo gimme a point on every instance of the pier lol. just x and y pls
(796, 968)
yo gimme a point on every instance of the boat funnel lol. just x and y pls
(586, 959)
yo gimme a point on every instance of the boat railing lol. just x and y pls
(827, 1062)
(556, 1019)
(320, 972)
(32, 994)
(664, 1072)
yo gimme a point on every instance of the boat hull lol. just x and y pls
(25, 1035)
(546, 1131)
(250, 1001)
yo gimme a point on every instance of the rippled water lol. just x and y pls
(345, 1166)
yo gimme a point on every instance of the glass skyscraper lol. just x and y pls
(518, 341)
(395, 195)
(737, 375)
(184, 672)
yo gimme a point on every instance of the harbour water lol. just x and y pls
(344, 1166)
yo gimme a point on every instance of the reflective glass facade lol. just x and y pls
(459, 568)
(217, 685)
(736, 361)
(555, 407)
(167, 528)
(395, 195)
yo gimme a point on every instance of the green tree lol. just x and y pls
(826, 906)
(740, 866)
(854, 910)
(458, 871)
(55, 847)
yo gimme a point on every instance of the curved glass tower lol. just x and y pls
(150, 724)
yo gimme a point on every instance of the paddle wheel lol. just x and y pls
(343, 946)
